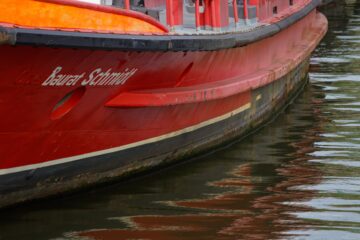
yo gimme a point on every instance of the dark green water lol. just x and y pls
(297, 178)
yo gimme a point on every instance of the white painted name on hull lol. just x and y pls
(98, 77)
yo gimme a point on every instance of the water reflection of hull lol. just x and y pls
(338, 8)
(325, 2)
(240, 212)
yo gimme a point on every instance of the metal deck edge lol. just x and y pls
(51, 38)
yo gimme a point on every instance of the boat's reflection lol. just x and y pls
(250, 206)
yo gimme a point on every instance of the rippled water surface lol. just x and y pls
(297, 178)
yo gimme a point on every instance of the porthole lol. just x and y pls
(275, 10)
(67, 103)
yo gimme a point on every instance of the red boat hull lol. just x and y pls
(74, 117)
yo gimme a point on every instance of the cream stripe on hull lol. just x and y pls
(128, 146)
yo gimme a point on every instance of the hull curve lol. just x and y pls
(74, 129)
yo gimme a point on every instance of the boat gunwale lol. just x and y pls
(107, 41)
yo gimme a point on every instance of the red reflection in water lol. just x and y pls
(267, 220)
(240, 211)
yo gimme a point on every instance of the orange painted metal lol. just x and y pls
(72, 15)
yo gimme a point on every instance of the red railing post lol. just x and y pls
(169, 13)
(213, 14)
(127, 4)
(246, 14)
(197, 14)
(236, 16)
